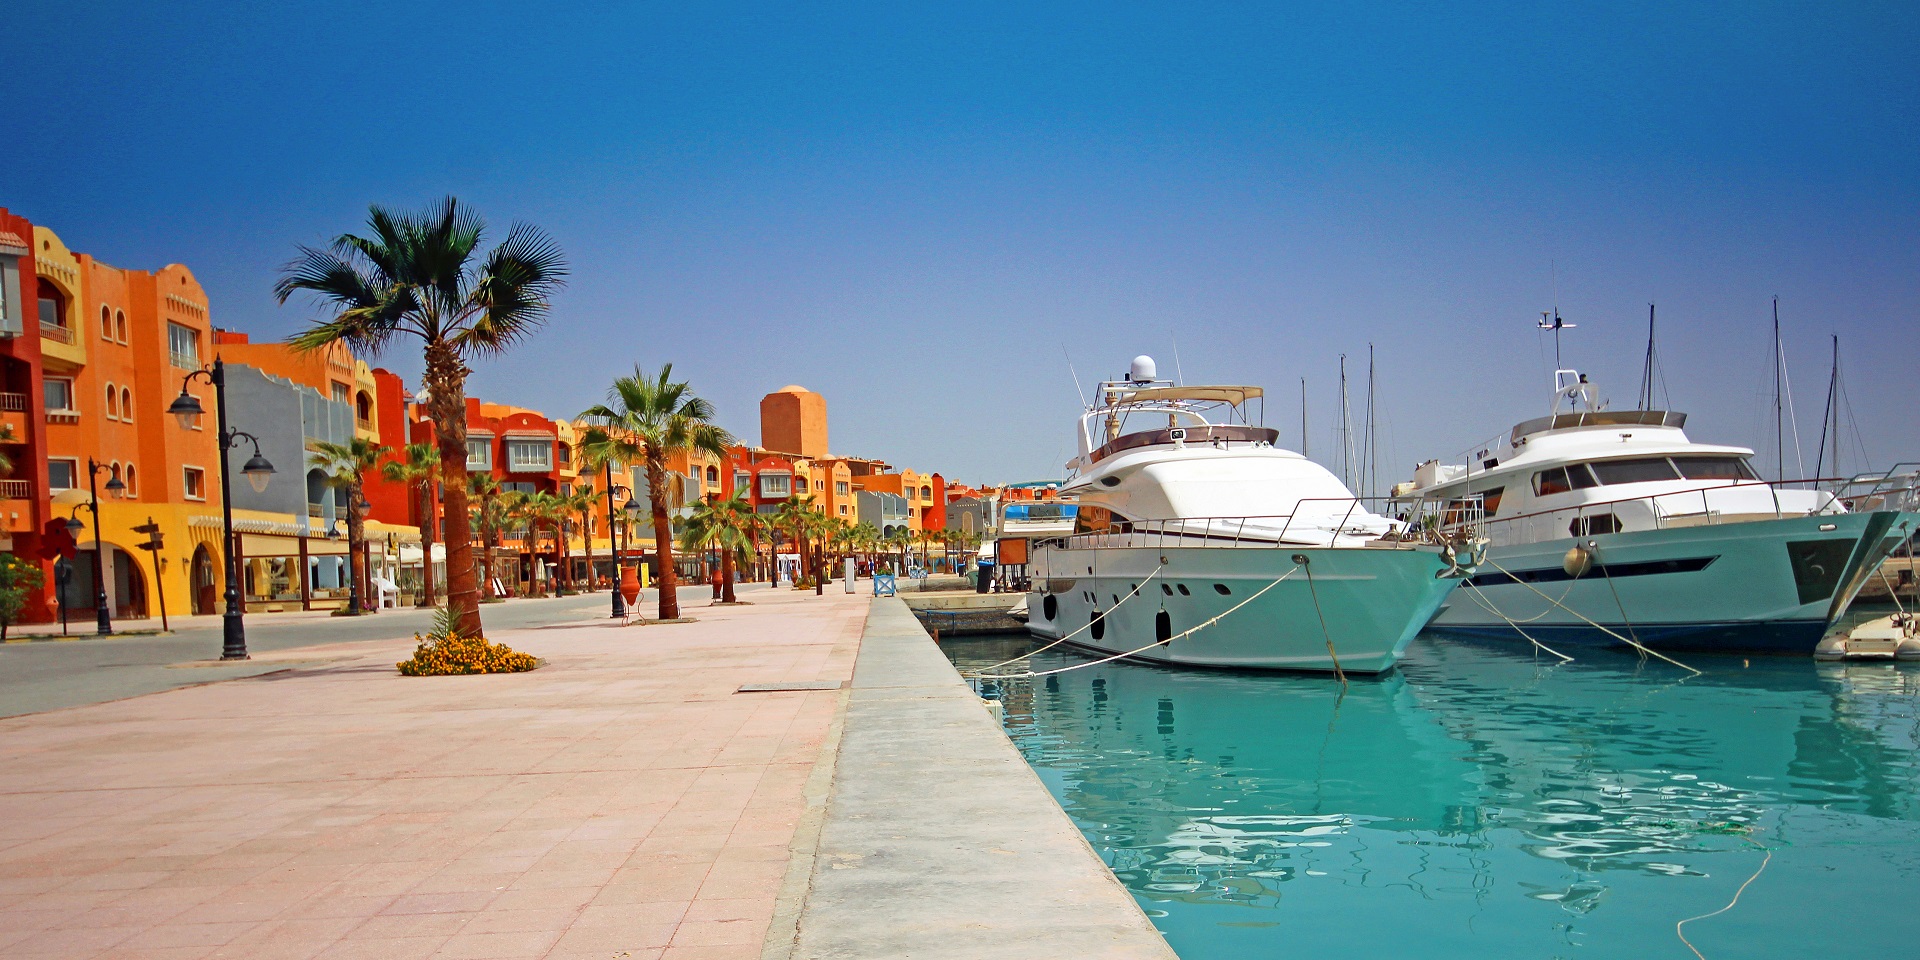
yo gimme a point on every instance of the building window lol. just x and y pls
(713, 474)
(58, 393)
(565, 453)
(342, 394)
(480, 453)
(529, 456)
(133, 484)
(566, 489)
(926, 494)
(120, 325)
(840, 488)
(113, 403)
(106, 323)
(820, 486)
(60, 474)
(363, 409)
(776, 484)
(519, 486)
(53, 308)
(126, 404)
(742, 482)
(183, 346)
(196, 483)
(843, 509)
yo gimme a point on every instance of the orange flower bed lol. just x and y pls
(445, 654)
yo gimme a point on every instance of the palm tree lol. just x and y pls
(421, 467)
(421, 274)
(647, 419)
(725, 526)
(582, 501)
(792, 518)
(866, 537)
(346, 466)
(490, 513)
(823, 528)
(6, 462)
(898, 542)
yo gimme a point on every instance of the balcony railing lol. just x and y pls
(16, 490)
(13, 402)
(53, 331)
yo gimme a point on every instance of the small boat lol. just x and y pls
(1198, 542)
(1608, 524)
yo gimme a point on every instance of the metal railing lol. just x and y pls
(1248, 531)
(16, 490)
(54, 331)
(13, 402)
(1660, 511)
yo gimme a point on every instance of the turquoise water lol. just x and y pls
(1480, 804)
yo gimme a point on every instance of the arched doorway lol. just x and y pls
(129, 587)
(206, 597)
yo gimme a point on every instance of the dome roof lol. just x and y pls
(793, 388)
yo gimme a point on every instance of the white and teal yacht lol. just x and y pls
(1198, 542)
(1604, 522)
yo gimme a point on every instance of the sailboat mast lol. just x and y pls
(1831, 416)
(1345, 455)
(1373, 434)
(1779, 436)
(1303, 416)
(1646, 371)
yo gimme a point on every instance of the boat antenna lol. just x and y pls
(1346, 429)
(1177, 371)
(1783, 402)
(1074, 374)
(1371, 473)
(1556, 325)
(1303, 416)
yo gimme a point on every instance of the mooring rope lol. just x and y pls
(1338, 673)
(1678, 932)
(1486, 603)
(1119, 656)
(1583, 617)
(1123, 601)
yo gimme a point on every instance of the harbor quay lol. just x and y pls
(794, 776)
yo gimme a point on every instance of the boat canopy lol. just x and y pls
(1215, 394)
(1599, 418)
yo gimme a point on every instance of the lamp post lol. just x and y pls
(613, 543)
(115, 489)
(186, 411)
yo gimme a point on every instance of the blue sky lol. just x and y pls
(919, 211)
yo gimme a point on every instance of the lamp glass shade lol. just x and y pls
(115, 488)
(257, 471)
(74, 526)
(633, 507)
(186, 410)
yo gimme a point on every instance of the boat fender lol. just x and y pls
(1833, 647)
(1578, 561)
(1909, 649)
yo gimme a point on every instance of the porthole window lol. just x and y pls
(1183, 590)
(1166, 590)
(1221, 589)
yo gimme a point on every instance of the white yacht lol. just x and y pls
(1613, 520)
(1198, 542)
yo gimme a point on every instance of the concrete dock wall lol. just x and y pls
(938, 840)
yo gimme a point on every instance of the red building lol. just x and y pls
(24, 504)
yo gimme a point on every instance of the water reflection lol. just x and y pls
(1478, 800)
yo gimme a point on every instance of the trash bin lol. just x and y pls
(985, 582)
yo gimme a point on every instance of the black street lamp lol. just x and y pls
(186, 410)
(115, 489)
(613, 542)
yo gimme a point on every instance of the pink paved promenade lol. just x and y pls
(621, 802)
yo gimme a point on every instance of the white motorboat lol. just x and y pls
(1199, 542)
(1608, 524)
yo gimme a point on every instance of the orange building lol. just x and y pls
(793, 421)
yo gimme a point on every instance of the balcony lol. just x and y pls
(13, 402)
(16, 490)
(55, 332)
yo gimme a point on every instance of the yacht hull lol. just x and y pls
(1756, 587)
(1371, 602)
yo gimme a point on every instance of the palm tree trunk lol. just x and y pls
(447, 399)
(566, 555)
(662, 536)
(586, 540)
(426, 541)
(356, 557)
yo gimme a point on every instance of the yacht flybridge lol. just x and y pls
(1199, 542)
(1603, 524)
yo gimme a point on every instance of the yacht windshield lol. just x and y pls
(1640, 470)
(1714, 468)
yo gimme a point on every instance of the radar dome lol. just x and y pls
(1143, 369)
